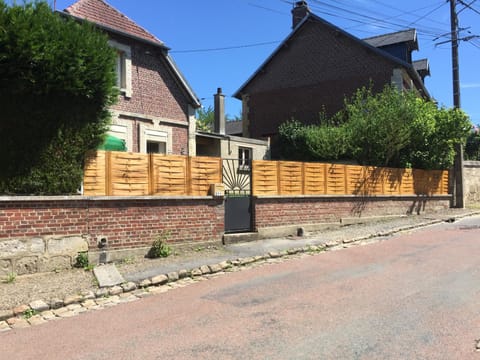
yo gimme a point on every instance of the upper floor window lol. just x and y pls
(123, 67)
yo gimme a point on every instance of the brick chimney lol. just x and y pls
(219, 112)
(300, 10)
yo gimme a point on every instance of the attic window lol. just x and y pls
(123, 68)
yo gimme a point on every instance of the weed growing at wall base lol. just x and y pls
(11, 277)
(159, 246)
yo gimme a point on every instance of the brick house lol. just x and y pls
(316, 66)
(155, 111)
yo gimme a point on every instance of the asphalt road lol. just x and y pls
(414, 296)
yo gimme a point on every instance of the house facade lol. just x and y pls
(317, 66)
(155, 111)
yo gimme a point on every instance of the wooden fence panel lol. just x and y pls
(291, 178)
(265, 177)
(94, 178)
(133, 174)
(336, 179)
(129, 174)
(204, 171)
(355, 180)
(315, 178)
(392, 179)
(169, 175)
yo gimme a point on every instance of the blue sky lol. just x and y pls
(188, 26)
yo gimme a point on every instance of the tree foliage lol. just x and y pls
(472, 147)
(391, 128)
(57, 81)
(206, 119)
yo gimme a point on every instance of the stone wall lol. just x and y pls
(471, 182)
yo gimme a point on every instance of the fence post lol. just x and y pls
(188, 174)
(108, 173)
(151, 174)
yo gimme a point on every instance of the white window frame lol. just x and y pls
(244, 157)
(123, 67)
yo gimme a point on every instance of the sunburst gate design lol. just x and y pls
(236, 178)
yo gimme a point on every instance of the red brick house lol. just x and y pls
(156, 107)
(317, 65)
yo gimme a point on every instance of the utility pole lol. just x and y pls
(458, 200)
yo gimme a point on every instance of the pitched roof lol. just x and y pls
(233, 127)
(405, 36)
(312, 17)
(101, 13)
(422, 66)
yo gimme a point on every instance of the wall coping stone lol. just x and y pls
(99, 198)
(359, 197)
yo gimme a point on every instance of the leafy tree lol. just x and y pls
(57, 81)
(472, 147)
(205, 119)
(391, 128)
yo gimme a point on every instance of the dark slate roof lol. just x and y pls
(233, 127)
(406, 36)
(422, 66)
(312, 17)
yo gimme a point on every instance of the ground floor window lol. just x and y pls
(156, 147)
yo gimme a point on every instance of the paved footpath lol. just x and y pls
(415, 296)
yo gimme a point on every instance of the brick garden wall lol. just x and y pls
(284, 211)
(46, 233)
(43, 234)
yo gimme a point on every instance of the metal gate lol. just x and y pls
(237, 178)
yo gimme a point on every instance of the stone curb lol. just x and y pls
(39, 312)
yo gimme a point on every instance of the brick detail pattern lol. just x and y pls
(271, 212)
(126, 223)
(180, 140)
(155, 91)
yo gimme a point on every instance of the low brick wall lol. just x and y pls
(46, 233)
(284, 211)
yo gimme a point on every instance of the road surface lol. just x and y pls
(413, 296)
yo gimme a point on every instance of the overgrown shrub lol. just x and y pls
(57, 81)
(392, 128)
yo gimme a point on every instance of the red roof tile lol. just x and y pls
(99, 12)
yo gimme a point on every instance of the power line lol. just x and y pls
(225, 48)
(367, 19)
(469, 6)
